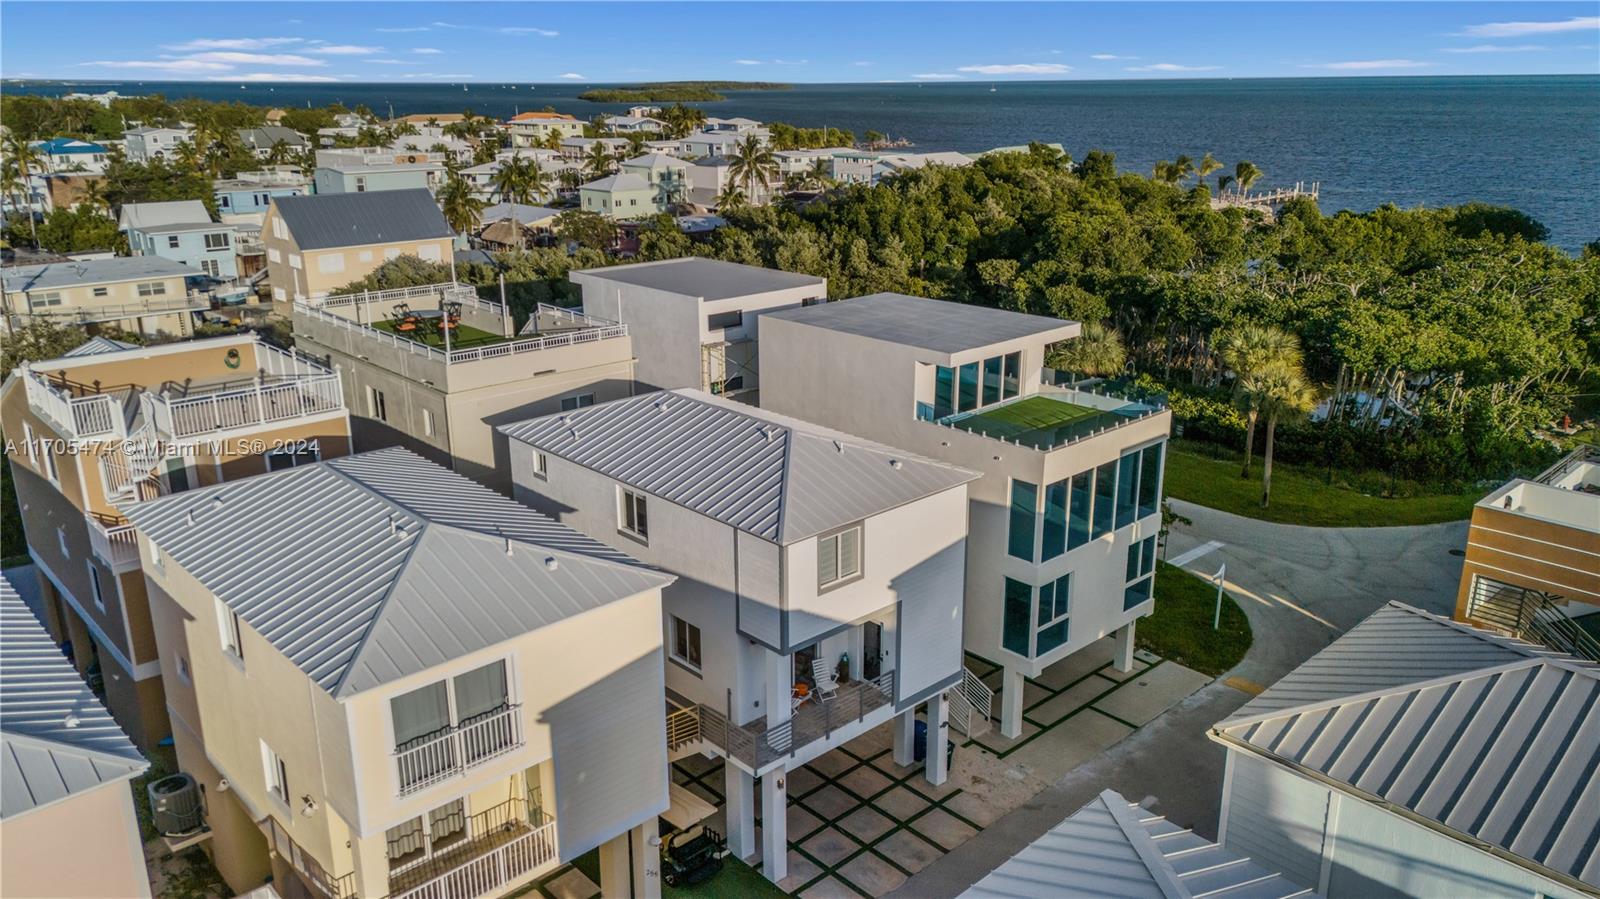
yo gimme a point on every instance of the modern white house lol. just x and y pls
(67, 154)
(633, 124)
(819, 578)
(624, 195)
(1062, 541)
(701, 315)
(1419, 756)
(669, 175)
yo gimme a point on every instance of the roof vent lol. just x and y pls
(190, 516)
(71, 720)
(216, 501)
(895, 464)
(551, 564)
(773, 433)
(508, 545)
(838, 446)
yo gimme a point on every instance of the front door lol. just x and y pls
(871, 650)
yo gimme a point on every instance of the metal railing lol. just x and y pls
(513, 347)
(758, 746)
(971, 704)
(1128, 412)
(306, 865)
(484, 866)
(1530, 615)
(447, 291)
(113, 540)
(437, 757)
(576, 317)
(261, 403)
(186, 303)
(683, 726)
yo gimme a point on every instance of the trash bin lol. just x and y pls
(919, 746)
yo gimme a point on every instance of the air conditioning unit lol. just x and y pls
(175, 805)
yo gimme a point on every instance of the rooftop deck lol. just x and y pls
(1053, 418)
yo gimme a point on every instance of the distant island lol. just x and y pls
(676, 91)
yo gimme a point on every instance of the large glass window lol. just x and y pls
(1055, 601)
(1024, 506)
(1140, 572)
(1150, 479)
(991, 380)
(1078, 520)
(944, 391)
(1055, 521)
(968, 388)
(423, 712)
(1011, 383)
(1127, 488)
(1105, 488)
(481, 692)
(1018, 617)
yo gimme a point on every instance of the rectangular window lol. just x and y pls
(1127, 488)
(1053, 615)
(155, 554)
(376, 408)
(944, 385)
(277, 773)
(94, 586)
(633, 517)
(541, 466)
(361, 184)
(1024, 509)
(1017, 618)
(1011, 383)
(228, 630)
(183, 671)
(27, 442)
(427, 422)
(102, 291)
(51, 471)
(991, 380)
(1105, 489)
(722, 320)
(569, 403)
(152, 288)
(329, 263)
(44, 300)
(1078, 519)
(686, 643)
(1150, 480)
(301, 453)
(273, 255)
(61, 541)
(1137, 593)
(967, 398)
(420, 714)
(1140, 572)
(1055, 521)
(480, 693)
(173, 242)
(839, 557)
(217, 241)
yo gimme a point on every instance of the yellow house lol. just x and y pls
(318, 243)
(67, 825)
(403, 684)
(144, 294)
(112, 423)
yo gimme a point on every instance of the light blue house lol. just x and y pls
(182, 231)
(241, 197)
(364, 178)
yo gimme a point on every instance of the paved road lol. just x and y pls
(1301, 587)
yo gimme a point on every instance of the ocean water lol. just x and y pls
(1529, 142)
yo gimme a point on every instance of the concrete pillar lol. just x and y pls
(780, 684)
(616, 880)
(905, 729)
(646, 860)
(1122, 660)
(740, 810)
(1011, 685)
(935, 769)
(775, 825)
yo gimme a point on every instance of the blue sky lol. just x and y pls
(794, 42)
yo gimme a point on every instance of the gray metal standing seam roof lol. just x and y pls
(98, 344)
(1493, 739)
(367, 568)
(52, 275)
(708, 279)
(776, 477)
(322, 221)
(943, 326)
(1113, 848)
(56, 739)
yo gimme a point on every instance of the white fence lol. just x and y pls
(116, 544)
(97, 415)
(427, 762)
(506, 348)
(261, 403)
(486, 874)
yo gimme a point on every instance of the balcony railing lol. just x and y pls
(261, 402)
(437, 757)
(79, 417)
(756, 745)
(513, 347)
(86, 314)
(113, 541)
(504, 845)
(320, 881)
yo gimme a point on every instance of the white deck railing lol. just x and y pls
(490, 351)
(80, 418)
(261, 403)
(118, 312)
(430, 760)
(449, 291)
(115, 544)
(487, 874)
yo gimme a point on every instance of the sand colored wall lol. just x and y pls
(82, 847)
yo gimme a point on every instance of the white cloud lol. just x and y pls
(1020, 68)
(275, 76)
(790, 62)
(1171, 67)
(233, 57)
(1104, 56)
(234, 43)
(1358, 65)
(542, 32)
(427, 51)
(170, 65)
(1495, 48)
(347, 50)
(937, 76)
(747, 62)
(572, 76)
(1523, 29)
(861, 62)
(412, 30)
(448, 25)
(395, 62)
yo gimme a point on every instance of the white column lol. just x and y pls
(905, 728)
(780, 683)
(740, 810)
(1011, 684)
(615, 880)
(1123, 658)
(935, 769)
(646, 860)
(775, 826)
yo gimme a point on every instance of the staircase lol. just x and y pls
(971, 705)
(1530, 615)
(129, 470)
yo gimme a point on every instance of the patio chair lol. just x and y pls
(823, 674)
(404, 323)
(401, 310)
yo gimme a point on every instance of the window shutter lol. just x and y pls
(827, 560)
(850, 553)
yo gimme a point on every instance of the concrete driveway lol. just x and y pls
(1301, 588)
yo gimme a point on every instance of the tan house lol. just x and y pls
(432, 692)
(318, 243)
(66, 768)
(1533, 555)
(532, 129)
(143, 294)
(408, 387)
(111, 424)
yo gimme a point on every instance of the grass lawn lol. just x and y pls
(1038, 420)
(1300, 496)
(1180, 628)
(465, 336)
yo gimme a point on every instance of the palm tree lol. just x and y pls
(25, 157)
(539, 182)
(753, 165)
(1208, 164)
(461, 209)
(1285, 393)
(1182, 167)
(1245, 174)
(279, 153)
(510, 183)
(820, 173)
(599, 162)
(1222, 183)
(1249, 351)
(1098, 351)
(731, 198)
(635, 144)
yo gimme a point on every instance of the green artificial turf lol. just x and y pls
(1039, 421)
(465, 336)
(1179, 630)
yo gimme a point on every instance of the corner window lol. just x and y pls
(839, 557)
(632, 516)
(1055, 601)
(1140, 572)
(686, 643)
(277, 773)
(228, 630)
(1024, 509)
(569, 403)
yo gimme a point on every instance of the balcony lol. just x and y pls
(756, 746)
(1054, 417)
(113, 541)
(229, 405)
(495, 848)
(77, 417)
(454, 751)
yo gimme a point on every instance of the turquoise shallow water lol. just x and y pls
(1526, 141)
